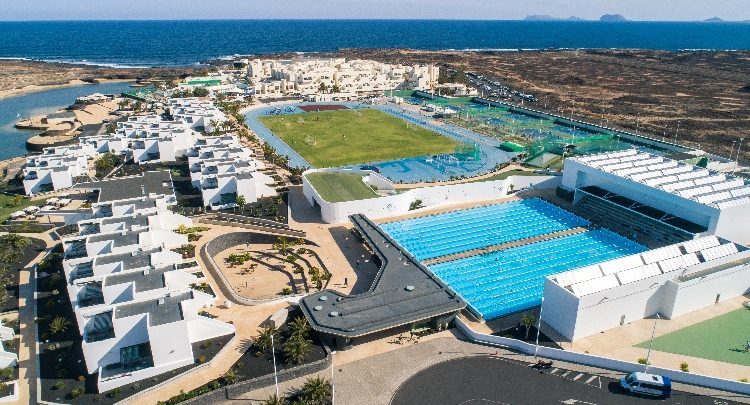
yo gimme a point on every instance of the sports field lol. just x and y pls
(338, 187)
(348, 137)
(722, 339)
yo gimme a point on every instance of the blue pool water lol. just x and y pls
(438, 235)
(512, 280)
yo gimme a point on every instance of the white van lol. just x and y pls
(647, 384)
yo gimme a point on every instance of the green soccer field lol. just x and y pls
(338, 187)
(348, 137)
(721, 338)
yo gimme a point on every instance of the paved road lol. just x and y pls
(490, 380)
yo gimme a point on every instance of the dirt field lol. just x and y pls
(708, 93)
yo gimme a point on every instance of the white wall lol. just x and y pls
(700, 292)
(732, 224)
(431, 197)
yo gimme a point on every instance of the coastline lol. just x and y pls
(33, 88)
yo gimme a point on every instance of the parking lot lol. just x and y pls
(493, 380)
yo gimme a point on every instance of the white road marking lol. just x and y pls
(592, 378)
(578, 376)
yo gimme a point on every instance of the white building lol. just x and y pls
(131, 294)
(307, 77)
(658, 200)
(669, 281)
(55, 169)
(223, 170)
(196, 113)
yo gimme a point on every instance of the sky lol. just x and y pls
(661, 10)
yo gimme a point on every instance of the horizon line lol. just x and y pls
(525, 19)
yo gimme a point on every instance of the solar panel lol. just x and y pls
(728, 184)
(647, 175)
(679, 262)
(701, 243)
(623, 263)
(664, 165)
(711, 179)
(578, 275)
(618, 166)
(660, 180)
(596, 285)
(717, 252)
(740, 192)
(709, 198)
(656, 255)
(690, 192)
(638, 273)
(678, 169)
(677, 186)
(733, 202)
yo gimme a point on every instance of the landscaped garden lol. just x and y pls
(293, 345)
(722, 338)
(338, 187)
(347, 137)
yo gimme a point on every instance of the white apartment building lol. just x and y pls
(308, 77)
(224, 170)
(132, 295)
(195, 113)
(55, 169)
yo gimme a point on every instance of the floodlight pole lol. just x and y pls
(538, 327)
(737, 160)
(275, 376)
(651, 343)
(333, 386)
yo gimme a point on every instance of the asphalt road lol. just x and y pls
(495, 381)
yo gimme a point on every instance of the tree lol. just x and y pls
(415, 205)
(299, 328)
(200, 92)
(123, 104)
(263, 340)
(282, 244)
(274, 400)
(317, 390)
(111, 127)
(15, 241)
(106, 163)
(138, 106)
(58, 324)
(240, 201)
(297, 349)
(527, 321)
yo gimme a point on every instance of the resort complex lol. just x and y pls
(257, 224)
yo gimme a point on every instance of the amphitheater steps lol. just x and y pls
(507, 245)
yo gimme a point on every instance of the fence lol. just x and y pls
(603, 362)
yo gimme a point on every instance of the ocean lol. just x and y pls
(161, 43)
(13, 140)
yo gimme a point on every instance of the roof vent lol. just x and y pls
(318, 307)
(409, 288)
(160, 301)
(145, 272)
(323, 298)
(334, 314)
(339, 298)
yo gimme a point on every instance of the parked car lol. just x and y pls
(647, 384)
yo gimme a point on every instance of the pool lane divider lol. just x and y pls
(506, 245)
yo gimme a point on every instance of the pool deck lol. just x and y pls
(506, 245)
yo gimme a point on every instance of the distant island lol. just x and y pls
(612, 18)
(544, 17)
(714, 19)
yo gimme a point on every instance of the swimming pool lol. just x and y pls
(438, 235)
(503, 282)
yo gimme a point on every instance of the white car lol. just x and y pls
(647, 384)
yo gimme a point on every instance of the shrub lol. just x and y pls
(286, 291)
(202, 359)
(76, 392)
(215, 384)
(744, 380)
(58, 385)
(135, 387)
(642, 360)
(684, 367)
(81, 378)
(58, 325)
(114, 393)
(206, 344)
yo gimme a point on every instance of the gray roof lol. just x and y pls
(160, 311)
(139, 203)
(404, 291)
(153, 280)
(119, 239)
(122, 188)
(129, 221)
(130, 261)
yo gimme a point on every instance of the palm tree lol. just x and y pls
(264, 338)
(214, 127)
(316, 277)
(58, 324)
(240, 201)
(317, 390)
(274, 400)
(297, 349)
(299, 328)
(282, 244)
(528, 321)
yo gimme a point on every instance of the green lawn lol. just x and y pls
(7, 205)
(347, 137)
(338, 187)
(722, 339)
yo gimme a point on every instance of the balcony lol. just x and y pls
(132, 358)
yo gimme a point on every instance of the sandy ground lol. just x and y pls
(255, 280)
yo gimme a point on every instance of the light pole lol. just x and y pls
(676, 132)
(737, 161)
(333, 386)
(275, 376)
(538, 327)
(651, 343)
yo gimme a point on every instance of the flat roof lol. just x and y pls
(123, 188)
(151, 279)
(404, 291)
(160, 311)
